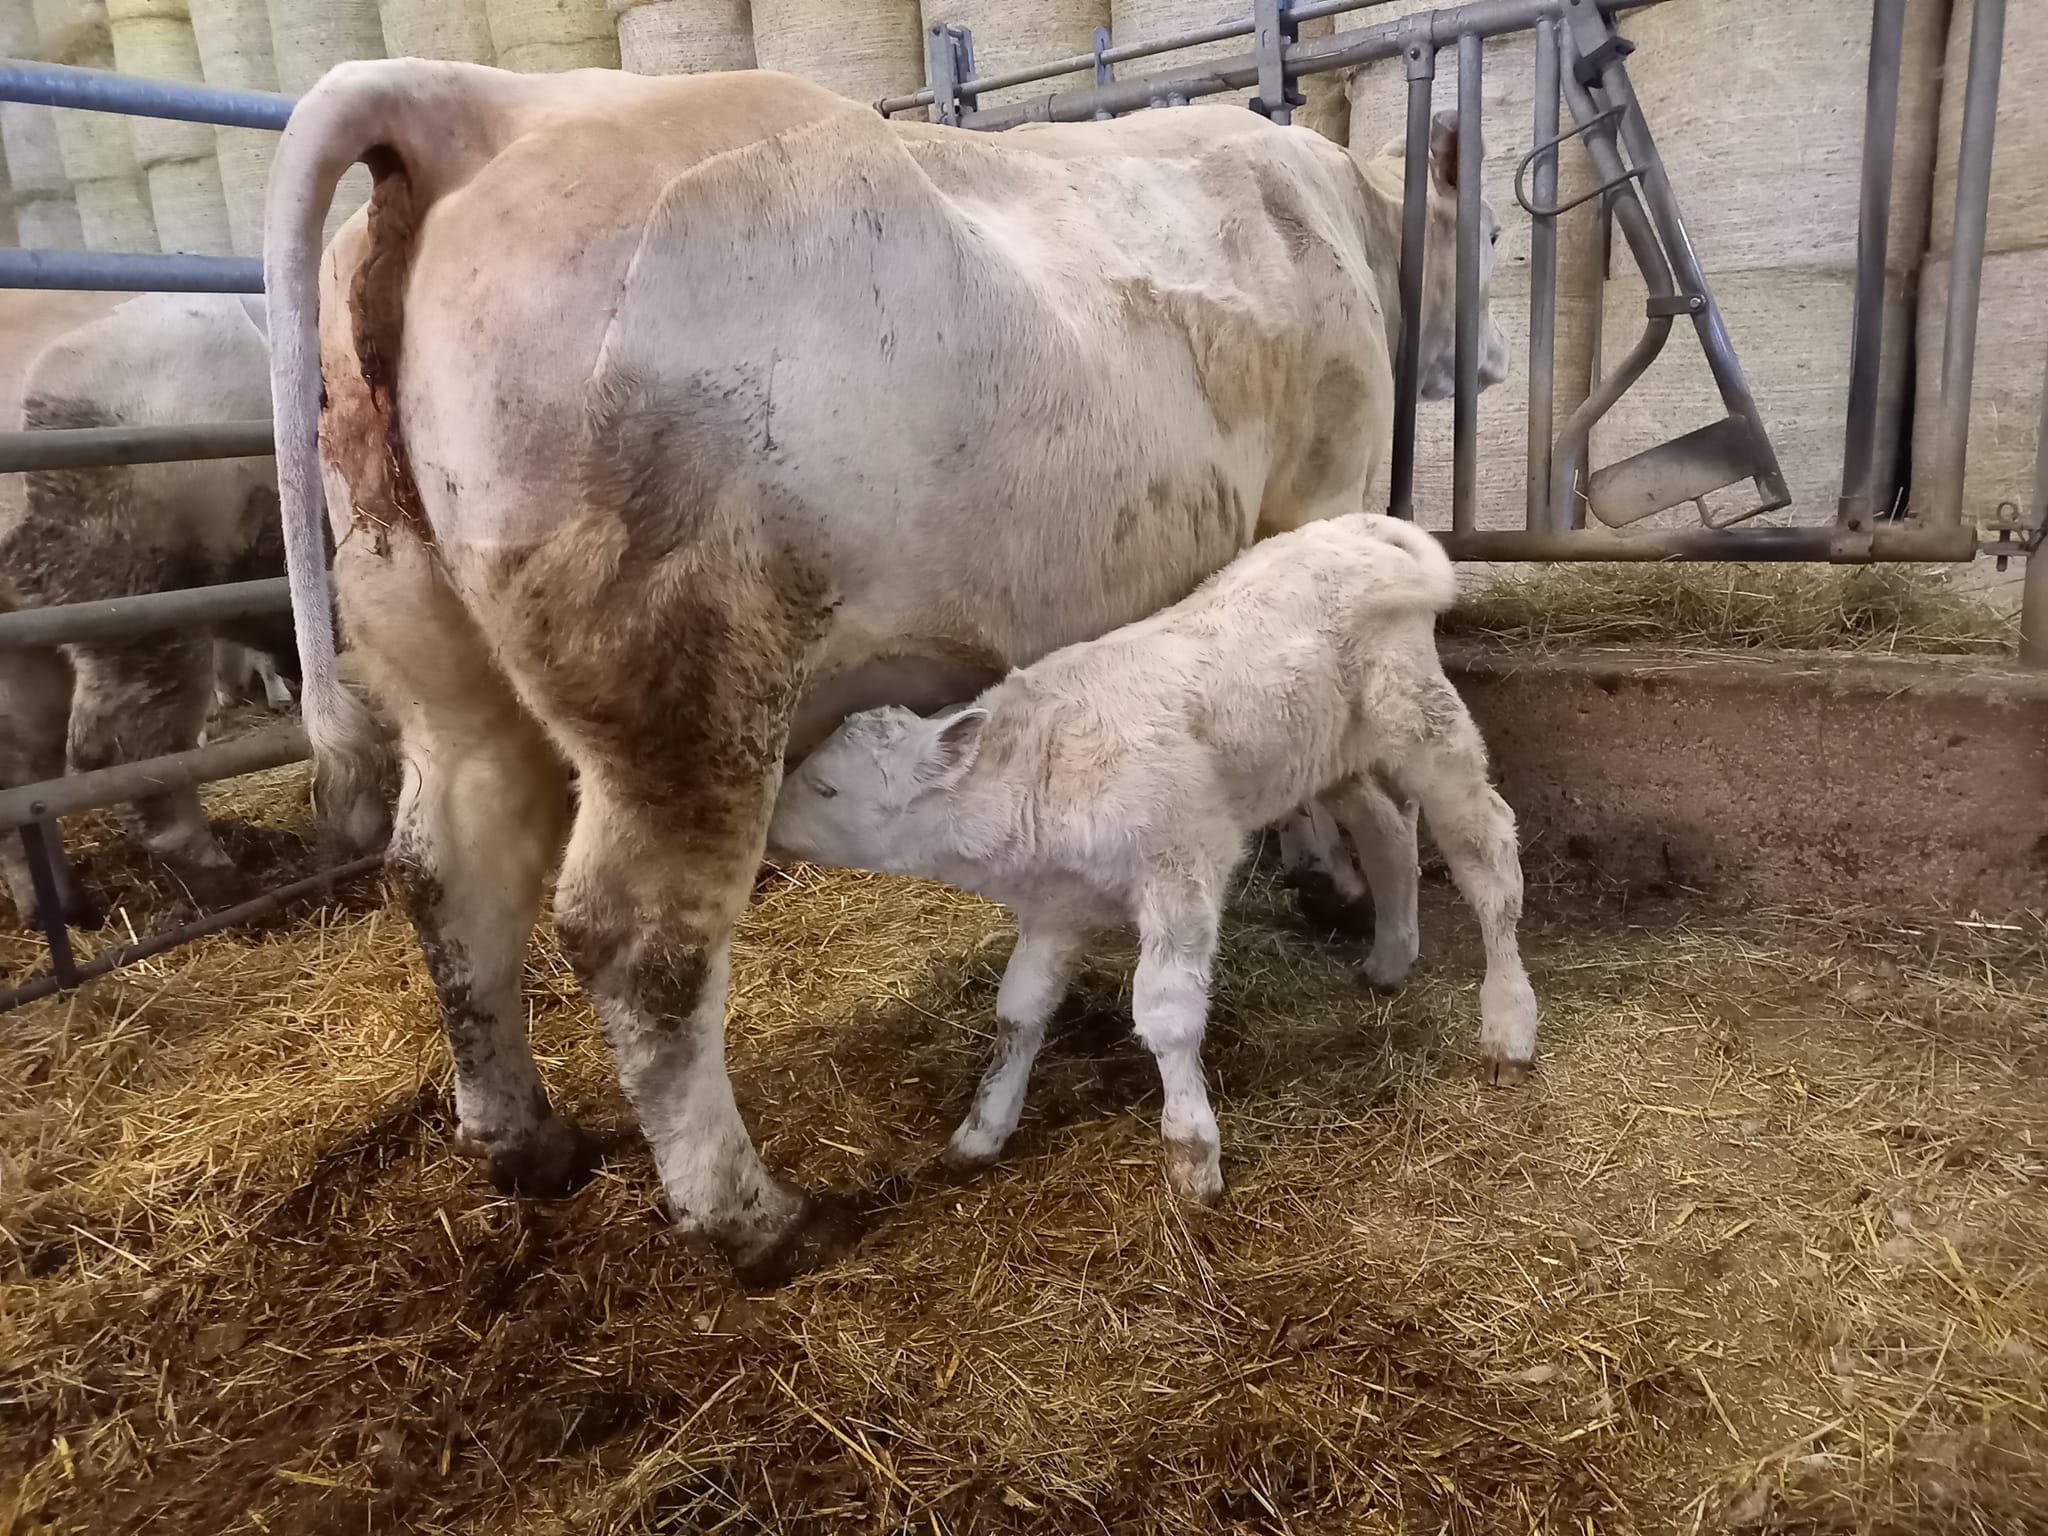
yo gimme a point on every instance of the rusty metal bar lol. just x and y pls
(269, 748)
(170, 938)
(1890, 541)
(101, 447)
(123, 618)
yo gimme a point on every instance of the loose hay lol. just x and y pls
(1760, 1248)
(1871, 610)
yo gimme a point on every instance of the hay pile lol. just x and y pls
(1761, 1248)
(1871, 610)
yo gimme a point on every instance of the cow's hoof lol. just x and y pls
(1502, 1073)
(1195, 1170)
(1323, 909)
(827, 1228)
(553, 1162)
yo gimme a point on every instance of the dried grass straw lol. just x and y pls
(1764, 1246)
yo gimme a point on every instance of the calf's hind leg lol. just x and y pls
(1177, 927)
(1475, 829)
(481, 815)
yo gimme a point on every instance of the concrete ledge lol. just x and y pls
(1777, 780)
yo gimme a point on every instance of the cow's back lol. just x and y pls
(996, 393)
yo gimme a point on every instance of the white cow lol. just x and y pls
(1120, 780)
(665, 422)
(88, 534)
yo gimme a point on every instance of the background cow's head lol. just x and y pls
(1440, 267)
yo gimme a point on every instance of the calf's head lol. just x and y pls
(1439, 334)
(876, 794)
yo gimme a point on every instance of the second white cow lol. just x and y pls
(1121, 780)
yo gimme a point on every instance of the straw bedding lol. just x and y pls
(1760, 1248)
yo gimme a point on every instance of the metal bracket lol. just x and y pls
(949, 60)
(1577, 131)
(1105, 72)
(1417, 47)
(1597, 43)
(1675, 306)
(1273, 28)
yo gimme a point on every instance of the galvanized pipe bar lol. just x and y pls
(269, 748)
(1309, 56)
(1414, 232)
(1891, 542)
(1857, 507)
(2034, 582)
(170, 938)
(1084, 63)
(146, 613)
(1542, 512)
(129, 272)
(1966, 261)
(100, 90)
(103, 447)
(1465, 358)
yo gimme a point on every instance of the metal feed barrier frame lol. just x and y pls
(30, 811)
(1578, 58)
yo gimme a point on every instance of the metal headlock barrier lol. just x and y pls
(1579, 62)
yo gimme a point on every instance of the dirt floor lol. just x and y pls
(1762, 1247)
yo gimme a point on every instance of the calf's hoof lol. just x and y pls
(1194, 1170)
(550, 1162)
(826, 1228)
(1326, 910)
(1503, 1073)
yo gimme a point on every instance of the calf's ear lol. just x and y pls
(955, 743)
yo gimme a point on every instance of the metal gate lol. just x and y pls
(1579, 60)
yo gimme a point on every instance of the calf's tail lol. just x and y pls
(1437, 585)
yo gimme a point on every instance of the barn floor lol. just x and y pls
(1763, 1246)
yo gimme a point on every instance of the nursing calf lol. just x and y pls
(1120, 780)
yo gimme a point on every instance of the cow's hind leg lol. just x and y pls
(669, 671)
(481, 816)
(147, 700)
(35, 710)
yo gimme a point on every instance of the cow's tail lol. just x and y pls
(1437, 586)
(429, 124)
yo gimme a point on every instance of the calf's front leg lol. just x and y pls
(1032, 988)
